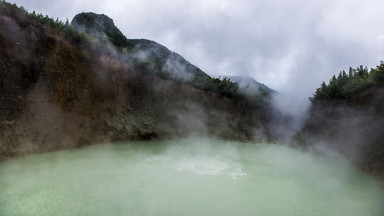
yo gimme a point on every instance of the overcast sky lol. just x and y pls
(289, 45)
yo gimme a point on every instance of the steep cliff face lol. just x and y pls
(351, 127)
(58, 94)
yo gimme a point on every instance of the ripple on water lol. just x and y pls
(212, 167)
(238, 174)
(203, 166)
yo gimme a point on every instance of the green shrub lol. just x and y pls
(224, 86)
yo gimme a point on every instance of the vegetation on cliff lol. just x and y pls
(346, 85)
(54, 23)
(64, 28)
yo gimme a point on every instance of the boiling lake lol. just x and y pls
(186, 177)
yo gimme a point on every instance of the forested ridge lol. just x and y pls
(345, 85)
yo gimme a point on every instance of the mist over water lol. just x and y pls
(186, 177)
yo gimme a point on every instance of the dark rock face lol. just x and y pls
(352, 127)
(55, 94)
(101, 27)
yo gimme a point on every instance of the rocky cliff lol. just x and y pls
(351, 127)
(68, 88)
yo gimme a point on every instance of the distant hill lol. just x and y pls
(250, 87)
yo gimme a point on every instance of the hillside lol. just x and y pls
(347, 118)
(250, 87)
(66, 86)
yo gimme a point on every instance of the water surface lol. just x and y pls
(186, 177)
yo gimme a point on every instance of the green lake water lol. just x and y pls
(186, 177)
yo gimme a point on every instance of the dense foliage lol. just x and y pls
(345, 85)
(55, 23)
(68, 31)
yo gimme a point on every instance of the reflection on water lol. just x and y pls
(186, 177)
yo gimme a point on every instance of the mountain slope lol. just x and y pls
(64, 89)
(149, 56)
